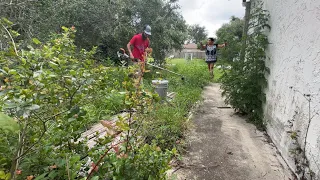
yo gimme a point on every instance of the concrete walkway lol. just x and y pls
(222, 145)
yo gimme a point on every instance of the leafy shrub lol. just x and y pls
(244, 85)
(167, 124)
(55, 92)
(147, 162)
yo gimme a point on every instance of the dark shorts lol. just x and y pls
(211, 62)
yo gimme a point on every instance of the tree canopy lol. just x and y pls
(108, 24)
(197, 33)
(231, 33)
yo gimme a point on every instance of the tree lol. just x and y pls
(244, 85)
(106, 24)
(169, 29)
(232, 34)
(197, 33)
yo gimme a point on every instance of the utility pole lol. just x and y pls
(247, 5)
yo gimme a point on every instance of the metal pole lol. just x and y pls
(164, 69)
(245, 30)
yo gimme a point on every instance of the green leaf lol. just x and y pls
(1, 70)
(53, 174)
(34, 107)
(7, 123)
(128, 103)
(174, 151)
(36, 41)
(5, 20)
(2, 93)
(4, 176)
(24, 61)
(13, 72)
(41, 177)
(95, 178)
(53, 65)
(65, 28)
(73, 72)
(71, 119)
(123, 126)
(74, 159)
(10, 105)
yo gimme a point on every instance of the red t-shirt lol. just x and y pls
(139, 46)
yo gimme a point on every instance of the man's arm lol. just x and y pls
(131, 43)
(129, 50)
(147, 50)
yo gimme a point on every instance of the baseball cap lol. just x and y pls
(147, 30)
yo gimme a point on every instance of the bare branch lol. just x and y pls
(14, 44)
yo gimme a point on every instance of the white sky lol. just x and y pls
(210, 13)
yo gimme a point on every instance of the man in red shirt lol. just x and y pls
(139, 42)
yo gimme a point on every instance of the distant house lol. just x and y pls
(192, 47)
(189, 51)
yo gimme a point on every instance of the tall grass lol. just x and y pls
(166, 125)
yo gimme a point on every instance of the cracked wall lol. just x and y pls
(294, 62)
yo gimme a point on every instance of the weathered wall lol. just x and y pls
(294, 62)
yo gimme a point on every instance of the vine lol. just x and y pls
(243, 86)
(299, 142)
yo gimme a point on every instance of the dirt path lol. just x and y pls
(223, 146)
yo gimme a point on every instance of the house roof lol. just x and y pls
(190, 46)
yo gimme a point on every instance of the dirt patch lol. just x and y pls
(223, 146)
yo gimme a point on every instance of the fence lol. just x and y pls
(190, 54)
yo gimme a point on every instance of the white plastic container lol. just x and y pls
(161, 87)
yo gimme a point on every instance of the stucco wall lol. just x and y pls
(294, 62)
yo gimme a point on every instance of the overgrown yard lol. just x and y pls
(168, 122)
(53, 93)
(57, 82)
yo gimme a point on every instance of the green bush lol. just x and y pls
(243, 86)
(55, 92)
(147, 162)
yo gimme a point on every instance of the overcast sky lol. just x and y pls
(210, 13)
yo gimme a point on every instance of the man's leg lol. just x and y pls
(139, 73)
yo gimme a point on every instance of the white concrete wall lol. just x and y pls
(294, 61)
